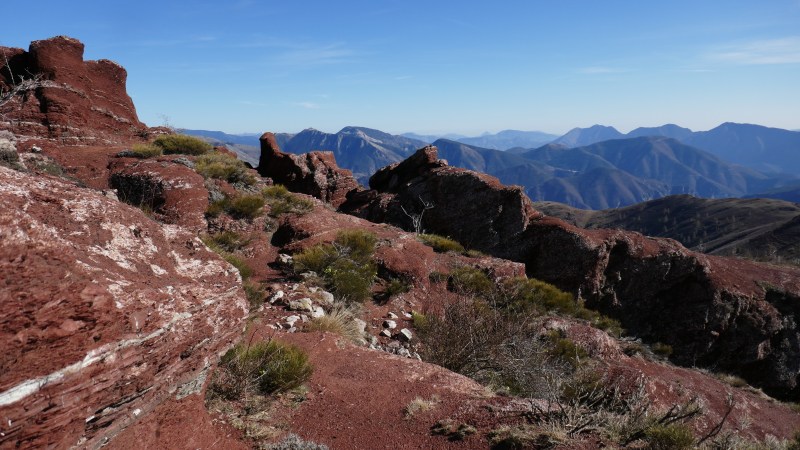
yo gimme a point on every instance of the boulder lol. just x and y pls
(106, 313)
(174, 192)
(313, 173)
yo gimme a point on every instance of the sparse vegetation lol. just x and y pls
(420, 405)
(182, 144)
(295, 442)
(441, 244)
(227, 241)
(245, 206)
(255, 294)
(662, 350)
(468, 280)
(281, 201)
(262, 368)
(675, 436)
(340, 320)
(345, 265)
(9, 156)
(224, 167)
(144, 151)
(396, 286)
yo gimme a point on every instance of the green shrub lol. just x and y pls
(357, 245)
(440, 244)
(254, 293)
(245, 207)
(281, 201)
(241, 265)
(218, 207)
(224, 167)
(183, 144)
(396, 286)
(472, 281)
(315, 259)
(346, 264)
(10, 158)
(437, 277)
(676, 436)
(264, 367)
(350, 280)
(523, 294)
(227, 241)
(566, 350)
(420, 321)
(144, 151)
(662, 349)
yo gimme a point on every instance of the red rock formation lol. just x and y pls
(106, 313)
(314, 173)
(171, 190)
(79, 101)
(725, 313)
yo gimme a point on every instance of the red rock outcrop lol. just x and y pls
(172, 191)
(106, 313)
(314, 173)
(729, 314)
(77, 102)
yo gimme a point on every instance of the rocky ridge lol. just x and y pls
(732, 314)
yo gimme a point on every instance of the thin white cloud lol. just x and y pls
(770, 51)
(595, 70)
(307, 105)
(316, 55)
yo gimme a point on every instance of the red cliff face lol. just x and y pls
(106, 313)
(78, 102)
(730, 314)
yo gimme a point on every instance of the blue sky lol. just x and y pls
(433, 67)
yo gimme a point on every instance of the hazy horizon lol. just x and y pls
(465, 68)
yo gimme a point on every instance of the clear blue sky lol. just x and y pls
(439, 66)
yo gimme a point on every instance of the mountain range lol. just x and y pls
(591, 168)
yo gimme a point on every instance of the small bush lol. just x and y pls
(420, 321)
(295, 442)
(396, 286)
(281, 201)
(346, 264)
(315, 259)
(10, 158)
(339, 320)
(350, 280)
(661, 349)
(358, 245)
(228, 241)
(144, 151)
(255, 294)
(437, 277)
(48, 166)
(264, 367)
(472, 281)
(420, 405)
(182, 144)
(244, 269)
(676, 436)
(224, 167)
(245, 207)
(440, 244)
(218, 207)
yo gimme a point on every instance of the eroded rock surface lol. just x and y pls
(173, 191)
(725, 313)
(106, 313)
(78, 102)
(314, 173)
